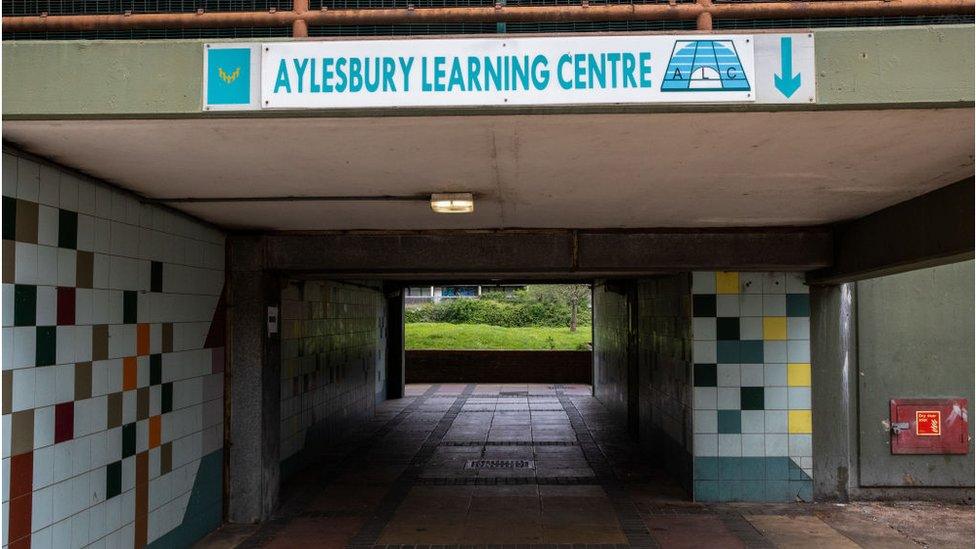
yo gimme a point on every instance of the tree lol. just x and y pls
(575, 296)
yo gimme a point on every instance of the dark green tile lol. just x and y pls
(727, 328)
(9, 218)
(729, 422)
(156, 276)
(166, 402)
(706, 375)
(703, 305)
(802, 489)
(797, 305)
(155, 369)
(67, 229)
(751, 351)
(25, 305)
(46, 345)
(778, 491)
(128, 440)
(113, 479)
(727, 352)
(750, 490)
(129, 307)
(752, 398)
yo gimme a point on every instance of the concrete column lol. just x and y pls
(255, 380)
(833, 348)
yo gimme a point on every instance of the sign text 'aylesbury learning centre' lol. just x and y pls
(510, 71)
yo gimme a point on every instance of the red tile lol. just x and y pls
(66, 306)
(19, 519)
(64, 422)
(21, 474)
(142, 339)
(217, 360)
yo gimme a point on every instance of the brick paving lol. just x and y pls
(438, 469)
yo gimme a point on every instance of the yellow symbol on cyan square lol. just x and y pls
(774, 328)
(801, 422)
(798, 375)
(229, 78)
(726, 283)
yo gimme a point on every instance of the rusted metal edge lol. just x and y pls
(301, 17)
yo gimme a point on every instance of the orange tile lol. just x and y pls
(154, 431)
(130, 371)
(142, 339)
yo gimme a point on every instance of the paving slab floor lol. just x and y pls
(533, 466)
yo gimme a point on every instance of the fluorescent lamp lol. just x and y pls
(452, 202)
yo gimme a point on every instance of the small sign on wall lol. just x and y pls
(272, 320)
(929, 426)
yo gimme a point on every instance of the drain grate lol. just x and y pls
(499, 481)
(509, 443)
(492, 464)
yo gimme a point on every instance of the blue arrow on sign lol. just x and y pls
(787, 83)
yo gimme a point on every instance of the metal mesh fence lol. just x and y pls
(840, 22)
(100, 7)
(152, 34)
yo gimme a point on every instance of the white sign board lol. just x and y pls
(500, 71)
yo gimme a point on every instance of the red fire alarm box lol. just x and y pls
(929, 426)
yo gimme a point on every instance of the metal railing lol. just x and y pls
(330, 16)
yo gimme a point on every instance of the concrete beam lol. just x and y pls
(885, 67)
(255, 386)
(932, 229)
(546, 253)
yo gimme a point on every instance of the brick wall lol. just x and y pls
(112, 366)
(459, 366)
(333, 345)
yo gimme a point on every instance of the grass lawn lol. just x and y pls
(436, 335)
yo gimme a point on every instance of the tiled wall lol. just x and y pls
(112, 371)
(752, 414)
(611, 325)
(333, 345)
(665, 345)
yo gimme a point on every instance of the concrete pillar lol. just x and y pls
(833, 348)
(255, 380)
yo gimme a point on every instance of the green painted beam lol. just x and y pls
(857, 67)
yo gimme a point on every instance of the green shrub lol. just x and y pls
(514, 312)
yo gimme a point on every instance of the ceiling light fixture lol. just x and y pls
(452, 202)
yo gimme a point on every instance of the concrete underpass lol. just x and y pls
(203, 308)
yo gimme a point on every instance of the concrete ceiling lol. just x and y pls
(552, 171)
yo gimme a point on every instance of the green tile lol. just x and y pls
(727, 352)
(67, 229)
(128, 440)
(9, 218)
(729, 422)
(156, 277)
(753, 468)
(129, 307)
(706, 375)
(706, 490)
(113, 480)
(703, 305)
(25, 305)
(751, 352)
(803, 489)
(778, 491)
(752, 398)
(778, 468)
(706, 468)
(166, 402)
(797, 305)
(729, 468)
(727, 329)
(155, 369)
(749, 490)
(45, 351)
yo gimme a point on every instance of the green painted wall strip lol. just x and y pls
(204, 510)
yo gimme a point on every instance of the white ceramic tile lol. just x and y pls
(774, 375)
(28, 179)
(750, 305)
(100, 271)
(751, 327)
(750, 283)
(753, 421)
(706, 445)
(25, 263)
(798, 327)
(67, 265)
(775, 352)
(68, 195)
(704, 352)
(49, 187)
(22, 395)
(776, 421)
(103, 235)
(64, 382)
(706, 398)
(703, 282)
(753, 445)
(43, 427)
(774, 305)
(751, 375)
(62, 502)
(706, 421)
(47, 265)
(63, 468)
(86, 196)
(8, 304)
(42, 508)
(798, 351)
(43, 465)
(729, 445)
(79, 529)
(777, 445)
(796, 283)
(703, 328)
(83, 343)
(776, 398)
(774, 283)
(727, 375)
(83, 306)
(9, 165)
(47, 225)
(65, 344)
(801, 445)
(799, 398)
(727, 305)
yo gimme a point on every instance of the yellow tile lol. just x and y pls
(774, 328)
(798, 375)
(726, 283)
(801, 421)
